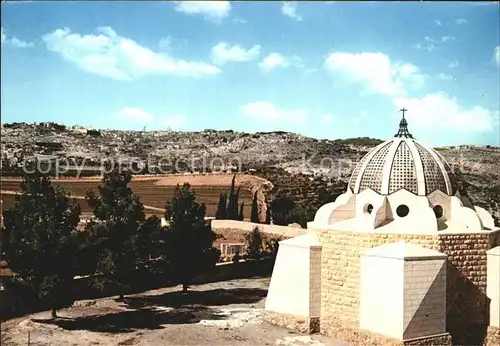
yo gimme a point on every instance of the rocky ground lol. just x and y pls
(223, 313)
(306, 168)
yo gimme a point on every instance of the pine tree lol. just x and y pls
(221, 213)
(120, 216)
(39, 240)
(254, 214)
(189, 239)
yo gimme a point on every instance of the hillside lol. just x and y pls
(308, 168)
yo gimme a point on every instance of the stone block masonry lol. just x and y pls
(467, 311)
(493, 285)
(467, 304)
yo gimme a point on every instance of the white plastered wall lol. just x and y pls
(296, 279)
(403, 291)
(466, 217)
(493, 284)
(381, 299)
(424, 297)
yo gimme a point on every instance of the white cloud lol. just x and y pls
(132, 117)
(165, 43)
(461, 21)
(425, 46)
(212, 10)
(454, 64)
(274, 60)
(289, 9)
(223, 53)
(327, 119)
(107, 54)
(376, 72)
(240, 21)
(14, 41)
(447, 38)
(444, 76)
(438, 22)
(496, 54)
(438, 112)
(269, 113)
(429, 43)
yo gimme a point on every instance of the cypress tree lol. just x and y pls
(230, 214)
(254, 214)
(234, 212)
(241, 216)
(221, 213)
(268, 215)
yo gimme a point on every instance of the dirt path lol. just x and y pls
(224, 313)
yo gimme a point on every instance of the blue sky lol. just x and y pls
(322, 69)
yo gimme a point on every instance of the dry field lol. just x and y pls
(153, 191)
(222, 313)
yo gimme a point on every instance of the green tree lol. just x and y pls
(284, 211)
(116, 232)
(254, 214)
(241, 215)
(221, 212)
(39, 240)
(267, 221)
(189, 239)
(233, 201)
(254, 244)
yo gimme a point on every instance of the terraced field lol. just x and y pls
(152, 193)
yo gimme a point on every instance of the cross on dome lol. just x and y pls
(403, 126)
(403, 110)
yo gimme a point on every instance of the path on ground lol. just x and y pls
(223, 313)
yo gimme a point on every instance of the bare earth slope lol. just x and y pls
(303, 167)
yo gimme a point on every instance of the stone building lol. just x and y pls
(399, 259)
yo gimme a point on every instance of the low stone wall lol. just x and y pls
(236, 230)
(492, 336)
(297, 323)
(467, 305)
(340, 329)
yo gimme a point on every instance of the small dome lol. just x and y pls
(403, 163)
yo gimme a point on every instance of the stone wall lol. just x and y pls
(466, 301)
(466, 283)
(235, 231)
(353, 335)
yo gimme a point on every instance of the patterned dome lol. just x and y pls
(403, 163)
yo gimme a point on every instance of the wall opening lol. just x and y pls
(368, 208)
(438, 211)
(402, 210)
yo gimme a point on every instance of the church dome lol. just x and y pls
(403, 163)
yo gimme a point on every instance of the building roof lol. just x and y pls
(403, 163)
(402, 250)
